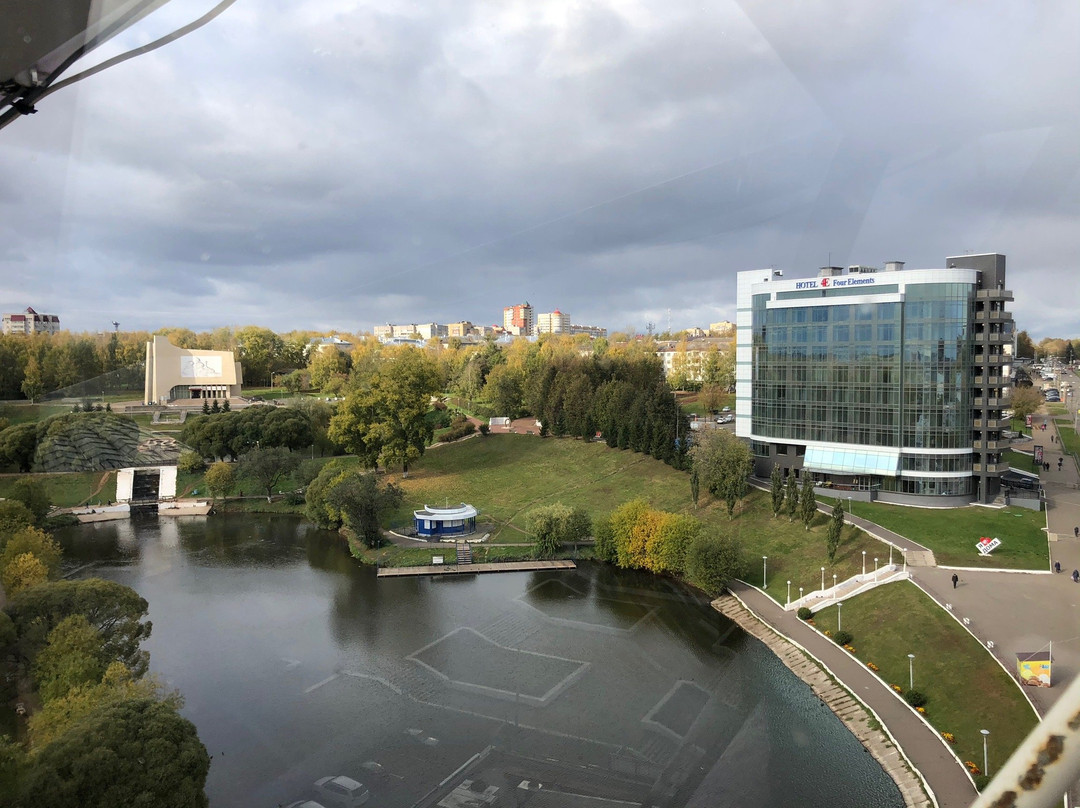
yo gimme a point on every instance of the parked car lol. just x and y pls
(343, 791)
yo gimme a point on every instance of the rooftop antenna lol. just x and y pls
(116, 326)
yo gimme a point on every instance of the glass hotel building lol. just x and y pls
(883, 384)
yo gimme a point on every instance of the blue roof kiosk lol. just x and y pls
(438, 522)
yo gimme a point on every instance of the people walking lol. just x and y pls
(1076, 532)
(955, 580)
(1076, 576)
(1057, 566)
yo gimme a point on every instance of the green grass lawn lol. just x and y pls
(1019, 460)
(69, 490)
(953, 532)
(28, 413)
(1057, 409)
(967, 690)
(507, 475)
(1069, 439)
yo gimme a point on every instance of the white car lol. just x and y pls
(343, 791)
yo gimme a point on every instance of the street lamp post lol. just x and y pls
(834, 586)
(849, 511)
(875, 567)
(911, 671)
(822, 579)
(890, 553)
(789, 593)
(986, 762)
(838, 605)
(764, 572)
(800, 594)
(864, 563)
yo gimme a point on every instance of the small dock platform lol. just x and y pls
(471, 569)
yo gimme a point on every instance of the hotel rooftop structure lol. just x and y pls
(882, 384)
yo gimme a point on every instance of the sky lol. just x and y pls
(333, 165)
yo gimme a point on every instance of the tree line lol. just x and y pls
(106, 733)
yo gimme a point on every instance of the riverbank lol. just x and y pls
(934, 776)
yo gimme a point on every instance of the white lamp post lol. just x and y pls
(822, 579)
(890, 553)
(789, 593)
(911, 671)
(986, 762)
(834, 586)
(838, 605)
(849, 511)
(764, 572)
(875, 567)
(800, 594)
(864, 563)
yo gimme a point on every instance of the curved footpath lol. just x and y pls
(920, 743)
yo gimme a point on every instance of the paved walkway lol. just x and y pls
(921, 743)
(472, 569)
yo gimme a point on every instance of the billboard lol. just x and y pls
(200, 367)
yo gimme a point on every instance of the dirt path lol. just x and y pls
(101, 484)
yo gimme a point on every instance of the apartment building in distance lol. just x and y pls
(409, 331)
(883, 384)
(519, 320)
(554, 322)
(687, 358)
(30, 322)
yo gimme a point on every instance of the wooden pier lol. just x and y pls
(471, 569)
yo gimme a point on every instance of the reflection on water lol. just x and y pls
(297, 663)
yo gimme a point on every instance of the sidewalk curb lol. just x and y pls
(884, 728)
(995, 569)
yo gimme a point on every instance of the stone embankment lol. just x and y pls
(853, 713)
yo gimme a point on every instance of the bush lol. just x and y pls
(804, 613)
(916, 698)
(712, 560)
(459, 430)
(843, 638)
(190, 463)
(484, 429)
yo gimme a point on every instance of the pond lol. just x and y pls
(539, 688)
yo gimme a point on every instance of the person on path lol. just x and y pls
(955, 580)
(1057, 566)
(1076, 532)
(1060, 461)
(1076, 576)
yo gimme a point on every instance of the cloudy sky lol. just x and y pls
(326, 164)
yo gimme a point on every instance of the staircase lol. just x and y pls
(464, 553)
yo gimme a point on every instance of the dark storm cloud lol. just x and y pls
(335, 165)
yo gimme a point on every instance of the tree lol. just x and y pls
(36, 541)
(33, 385)
(724, 463)
(695, 485)
(776, 490)
(317, 507)
(326, 365)
(33, 494)
(807, 502)
(363, 502)
(384, 421)
(503, 390)
(205, 407)
(836, 527)
(712, 561)
(294, 382)
(115, 610)
(220, 479)
(14, 516)
(712, 397)
(604, 536)
(24, 571)
(1025, 401)
(791, 496)
(18, 444)
(190, 463)
(552, 526)
(671, 542)
(71, 657)
(134, 752)
(268, 466)
(623, 521)
(117, 684)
